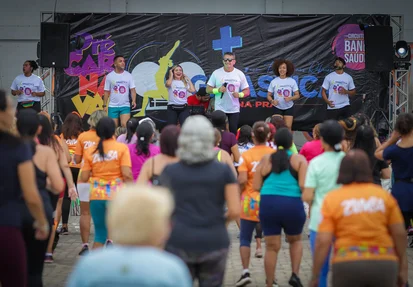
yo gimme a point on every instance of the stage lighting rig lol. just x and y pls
(402, 55)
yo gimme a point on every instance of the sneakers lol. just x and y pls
(108, 243)
(64, 231)
(48, 258)
(84, 251)
(244, 280)
(295, 281)
(258, 253)
(274, 284)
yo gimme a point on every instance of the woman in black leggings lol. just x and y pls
(46, 166)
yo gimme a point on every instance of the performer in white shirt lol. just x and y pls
(283, 91)
(340, 86)
(179, 88)
(118, 84)
(228, 84)
(28, 87)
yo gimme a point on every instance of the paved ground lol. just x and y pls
(55, 275)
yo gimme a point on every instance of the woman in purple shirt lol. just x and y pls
(143, 149)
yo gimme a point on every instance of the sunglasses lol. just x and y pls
(228, 60)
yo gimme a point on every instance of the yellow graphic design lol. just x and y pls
(89, 105)
(161, 92)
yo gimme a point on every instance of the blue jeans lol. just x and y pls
(324, 271)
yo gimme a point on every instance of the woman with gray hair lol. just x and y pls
(201, 186)
(139, 222)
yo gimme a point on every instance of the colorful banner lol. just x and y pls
(153, 43)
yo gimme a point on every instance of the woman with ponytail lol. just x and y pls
(143, 149)
(46, 167)
(106, 167)
(130, 136)
(321, 179)
(280, 178)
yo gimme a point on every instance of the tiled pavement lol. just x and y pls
(66, 254)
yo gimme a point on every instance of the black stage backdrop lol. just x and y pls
(152, 43)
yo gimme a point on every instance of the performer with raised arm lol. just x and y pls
(229, 85)
(118, 84)
(340, 86)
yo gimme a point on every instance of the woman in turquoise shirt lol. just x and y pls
(321, 178)
(280, 177)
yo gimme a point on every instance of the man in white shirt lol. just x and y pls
(118, 83)
(340, 86)
(228, 84)
(28, 87)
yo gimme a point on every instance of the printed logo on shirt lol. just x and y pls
(71, 141)
(88, 144)
(338, 86)
(109, 156)
(27, 91)
(355, 206)
(179, 94)
(122, 89)
(283, 90)
(231, 88)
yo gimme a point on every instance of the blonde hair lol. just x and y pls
(182, 77)
(140, 215)
(95, 118)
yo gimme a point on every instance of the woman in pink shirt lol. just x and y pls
(143, 149)
(313, 148)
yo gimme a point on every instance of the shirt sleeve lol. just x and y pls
(125, 158)
(271, 87)
(295, 86)
(131, 83)
(107, 83)
(79, 146)
(388, 153)
(394, 214)
(212, 80)
(326, 83)
(230, 177)
(351, 85)
(14, 85)
(244, 82)
(24, 153)
(327, 215)
(41, 86)
(303, 150)
(311, 179)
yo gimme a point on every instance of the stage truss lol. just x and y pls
(398, 95)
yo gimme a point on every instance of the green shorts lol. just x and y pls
(115, 112)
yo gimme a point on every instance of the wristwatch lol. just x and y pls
(103, 106)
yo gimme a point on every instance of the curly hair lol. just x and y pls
(278, 62)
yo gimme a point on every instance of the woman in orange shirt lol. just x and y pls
(106, 168)
(85, 141)
(368, 227)
(71, 129)
(250, 197)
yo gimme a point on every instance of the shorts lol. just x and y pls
(207, 267)
(84, 191)
(281, 212)
(116, 112)
(338, 114)
(287, 112)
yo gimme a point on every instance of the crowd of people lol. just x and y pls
(161, 201)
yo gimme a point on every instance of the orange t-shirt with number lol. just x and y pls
(106, 172)
(85, 141)
(359, 216)
(71, 144)
(250, 198)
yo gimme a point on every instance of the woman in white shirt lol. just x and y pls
(283, 90)
(28, 88)
(179, 88)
